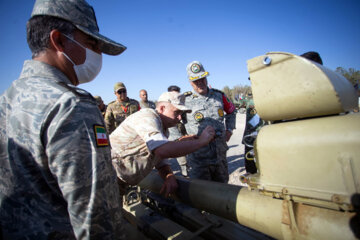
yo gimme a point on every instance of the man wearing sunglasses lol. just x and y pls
(119, 109)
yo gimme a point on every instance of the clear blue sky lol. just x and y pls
(163, 36)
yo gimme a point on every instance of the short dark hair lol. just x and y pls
(173, 88)
(313, 56)
(38, 30)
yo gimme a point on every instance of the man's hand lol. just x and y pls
(170, 185)
(207, 135)
(228, 135)
(188, 137)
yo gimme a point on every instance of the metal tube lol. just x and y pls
(281, 219)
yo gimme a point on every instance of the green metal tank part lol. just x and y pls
(308, 158)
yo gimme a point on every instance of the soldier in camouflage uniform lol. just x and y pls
(119, 109)
(102, 107)
(144, 102)
(141, 143)
(208, 108)
(56, 177)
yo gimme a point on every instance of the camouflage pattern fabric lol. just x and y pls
(175, 133)
(103, 112)
(132, 145)
(116, 113)
(148, 104)
(55, 182)
(209, 110)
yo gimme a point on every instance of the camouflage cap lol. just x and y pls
(176, 99)
(196, 71)
(98, 99)
(118, 86)
(82, 15)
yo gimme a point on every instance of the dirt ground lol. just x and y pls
(235, 154)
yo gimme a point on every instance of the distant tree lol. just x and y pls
(352, 75)
(240, 91)
(228, 93)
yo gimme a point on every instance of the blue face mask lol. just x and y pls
(87, 71)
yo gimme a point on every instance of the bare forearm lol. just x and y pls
(179, 148)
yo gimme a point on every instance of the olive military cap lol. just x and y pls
(82, 15)
(98, 99)
(118, 86)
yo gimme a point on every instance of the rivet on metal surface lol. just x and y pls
(267, 61)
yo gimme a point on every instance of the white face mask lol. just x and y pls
(87, 71)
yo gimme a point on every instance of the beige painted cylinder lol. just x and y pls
(263, 213)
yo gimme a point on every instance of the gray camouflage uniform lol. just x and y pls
(209, 162)
(175, 133)
(148, 104)
(56, 182)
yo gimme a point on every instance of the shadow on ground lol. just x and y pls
(235, 162)
(232, 146)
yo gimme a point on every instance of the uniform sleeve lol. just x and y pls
(82, 166)
(230, 117)
(151, 132)
(109, 120)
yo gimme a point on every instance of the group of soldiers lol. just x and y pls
(209, 107)
(66, 158)
(116, 111)
(62, 167)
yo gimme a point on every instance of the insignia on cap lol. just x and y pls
(198, 116)
(195, 68)
(100, 136)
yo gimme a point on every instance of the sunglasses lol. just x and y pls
(121, 91)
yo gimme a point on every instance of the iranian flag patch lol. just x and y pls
(100, 136)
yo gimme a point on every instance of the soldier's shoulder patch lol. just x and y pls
(188, 93)
(100, 136)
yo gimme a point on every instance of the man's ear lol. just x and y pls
(162, 108)
(57, 40)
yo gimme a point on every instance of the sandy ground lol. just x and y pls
(235, 154)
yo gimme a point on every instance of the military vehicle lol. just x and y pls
(307, 182)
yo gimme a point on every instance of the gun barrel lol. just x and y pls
(278, 218)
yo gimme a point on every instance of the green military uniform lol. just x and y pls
(116, 113)
(103, 112)
(100, 102)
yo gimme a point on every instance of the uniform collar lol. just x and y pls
(127, 101)
(33, 68)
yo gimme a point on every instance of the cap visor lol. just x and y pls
(106, 45)
(182, 108)
(199, 76)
